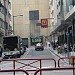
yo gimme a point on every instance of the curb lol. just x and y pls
(55, 53)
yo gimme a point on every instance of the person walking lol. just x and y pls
(65, 47)
(54, 45)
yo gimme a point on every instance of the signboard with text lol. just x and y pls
(37, 39)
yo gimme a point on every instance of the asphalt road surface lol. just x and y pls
(32, 63)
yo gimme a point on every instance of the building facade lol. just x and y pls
(29, 25)
(5, 19)
(65, 20)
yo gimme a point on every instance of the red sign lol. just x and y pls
(44, 23)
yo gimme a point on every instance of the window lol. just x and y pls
(3, 10)
(1, 23)
(9, 4)
(59, 13)
(59, 3)
(9, 15)
(6, 25)
(57, 6)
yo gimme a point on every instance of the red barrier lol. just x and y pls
(16, 70)
(54, 69)
(71, 59)
(18, 60)
(68, 61)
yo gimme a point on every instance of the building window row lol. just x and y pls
(4, 25)
(9, 3)
(10, 27)
(58, 4)
(1, 23)
(9, 15)
(51, 2)
(3, 10)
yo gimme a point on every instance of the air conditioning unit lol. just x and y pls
(70, 7)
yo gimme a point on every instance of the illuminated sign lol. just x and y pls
(44, 23)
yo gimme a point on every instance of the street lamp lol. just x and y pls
(13, 21)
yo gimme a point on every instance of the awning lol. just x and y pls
(61, 27)
(70, 15)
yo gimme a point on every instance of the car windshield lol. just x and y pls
(38, 44)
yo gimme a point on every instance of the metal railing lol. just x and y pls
(52, 71)
(14, 70)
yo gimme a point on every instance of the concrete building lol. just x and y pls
(55, 15)
(5, 18)
(69, 17)
(65, 10)
(28, 25)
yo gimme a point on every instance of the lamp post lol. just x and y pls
(13, 22)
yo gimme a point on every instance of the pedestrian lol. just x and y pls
(65, 47)
(74, 47)
(0, 51)
(54, 45)
(70, 48)
(48, 44)
(57, 44)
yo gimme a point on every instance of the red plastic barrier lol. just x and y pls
(18, 60)
(71, 57)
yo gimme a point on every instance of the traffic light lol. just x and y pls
(1, 4)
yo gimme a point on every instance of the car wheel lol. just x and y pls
(35, 49)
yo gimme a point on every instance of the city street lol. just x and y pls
(37, 37)
(46, 53)
(33, 64)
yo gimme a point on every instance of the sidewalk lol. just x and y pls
(63, 54)
(58, 54)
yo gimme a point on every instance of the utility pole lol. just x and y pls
(13, 22)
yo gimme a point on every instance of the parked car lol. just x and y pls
(39, 46)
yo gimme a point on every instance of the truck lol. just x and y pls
(36, 40)
(11, 46)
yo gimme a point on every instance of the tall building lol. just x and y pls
(5, 18)
(65, 10)
(69, 17)
(54, 18)
(29, 24)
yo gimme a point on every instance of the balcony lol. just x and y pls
(70, 14)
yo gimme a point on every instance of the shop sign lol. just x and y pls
(44, 23)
